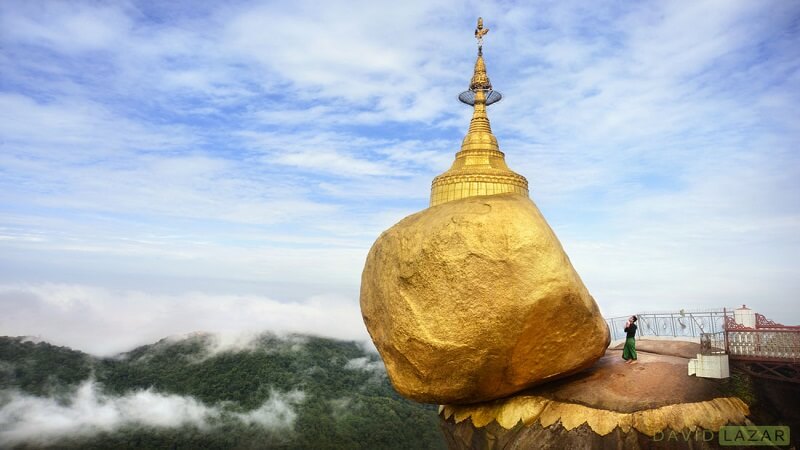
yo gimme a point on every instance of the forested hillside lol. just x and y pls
(199, 392)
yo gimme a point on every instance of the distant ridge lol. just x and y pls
(261, 390)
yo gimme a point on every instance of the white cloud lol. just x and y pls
(366, 364)
(42, 420)
(79, 131)
(89, 27)
(276, 412)
(329, 50)
(77, 316)
(241, 341)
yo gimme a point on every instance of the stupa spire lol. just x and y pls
(480, 167)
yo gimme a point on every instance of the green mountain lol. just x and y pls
(293, 392)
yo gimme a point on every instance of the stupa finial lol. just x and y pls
(480, 32)
(480, 81)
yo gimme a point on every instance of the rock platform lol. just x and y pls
(650, 404)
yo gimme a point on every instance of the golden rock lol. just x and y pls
(475, 299)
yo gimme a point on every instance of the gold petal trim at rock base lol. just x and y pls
(708, 415)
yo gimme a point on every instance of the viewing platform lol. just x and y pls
(726, 337)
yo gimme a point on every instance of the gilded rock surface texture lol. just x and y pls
(475, 299)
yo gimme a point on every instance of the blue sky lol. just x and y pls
(167, 167)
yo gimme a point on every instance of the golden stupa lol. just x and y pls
(473, 298)
(480, 167)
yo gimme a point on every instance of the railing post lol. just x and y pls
(672, 320)
(796, 345)
(725, 328)
(757, 342)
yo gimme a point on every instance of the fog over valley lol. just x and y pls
(205, 389)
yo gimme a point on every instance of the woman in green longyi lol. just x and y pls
(629, 351)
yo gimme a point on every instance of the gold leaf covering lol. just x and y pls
(508, 412)
(474, 300)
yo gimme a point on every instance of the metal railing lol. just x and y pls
(767, 341)
(765, 345)
(681, 324)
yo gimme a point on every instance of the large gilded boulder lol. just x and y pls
(475, 299)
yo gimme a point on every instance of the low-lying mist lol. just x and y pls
(89, 410)
(230, 390)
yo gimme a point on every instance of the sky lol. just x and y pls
(171, 167)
